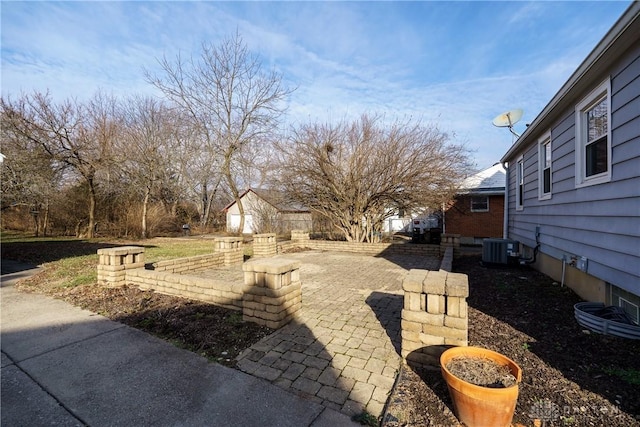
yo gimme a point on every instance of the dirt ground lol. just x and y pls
(570, 377)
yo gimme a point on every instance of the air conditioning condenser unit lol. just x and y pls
(500, 251)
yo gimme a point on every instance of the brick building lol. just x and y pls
(478, 210)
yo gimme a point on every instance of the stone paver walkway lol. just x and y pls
(343, 348)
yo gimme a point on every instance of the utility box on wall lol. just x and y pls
(500, 251)
(582, 263)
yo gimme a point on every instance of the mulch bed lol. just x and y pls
(571, 377)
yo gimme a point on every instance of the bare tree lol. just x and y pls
(28, 177)
(266, 218)
(149, 143)
(229, 99)
(254, 168)
(201, 173)
(76, 136)
(359, 174)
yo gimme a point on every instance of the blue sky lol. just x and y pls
(454, 64)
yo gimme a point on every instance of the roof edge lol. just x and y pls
(628, 18)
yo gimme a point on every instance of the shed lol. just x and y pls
(267, 211)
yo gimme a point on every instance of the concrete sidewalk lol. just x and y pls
(66, 366)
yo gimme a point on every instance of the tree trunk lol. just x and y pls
(207, 213)
(45, 221)
(213, 193)
(226, 172)
(241, 211)
(36, 223)
(204, 202)
(78, 225)
(92, 208)
(145, 205)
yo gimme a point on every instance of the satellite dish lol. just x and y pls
(508, 119)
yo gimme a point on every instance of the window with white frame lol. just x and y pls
(544, 167)
(520, 184)
(593, 137)
(480, 204)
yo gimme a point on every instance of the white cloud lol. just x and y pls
(457, 64)
(527, 13)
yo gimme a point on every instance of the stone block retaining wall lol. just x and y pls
(192, 264)
(299, 235)
(198, 288)
(301, 239)
(450, 241)
(435, 307)
(434, 315)
(446, 263)
(269, 295)
(373, 248)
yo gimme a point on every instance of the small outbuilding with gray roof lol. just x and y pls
(267, 211)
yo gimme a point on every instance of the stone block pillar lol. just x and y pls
(231, 247)
(274, 292)
(450, 240)
(114, 262)
(434, 315)
(299, 235)
(264, 245)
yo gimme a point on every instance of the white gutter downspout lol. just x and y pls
(444, 223)
(505, 221)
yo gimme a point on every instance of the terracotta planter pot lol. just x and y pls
(476, 405)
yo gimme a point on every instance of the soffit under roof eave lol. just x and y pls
(487, 192)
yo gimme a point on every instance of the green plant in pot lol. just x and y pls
(483, 403)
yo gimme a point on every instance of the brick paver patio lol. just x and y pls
(343, 348)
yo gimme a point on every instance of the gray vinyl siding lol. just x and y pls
(600, 222)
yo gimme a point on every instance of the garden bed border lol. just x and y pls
(270, 293)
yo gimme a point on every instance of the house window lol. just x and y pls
(629, 302)
(544, 167)
(593, 137)
(480, 204)
(631, 309)
(520, 184)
